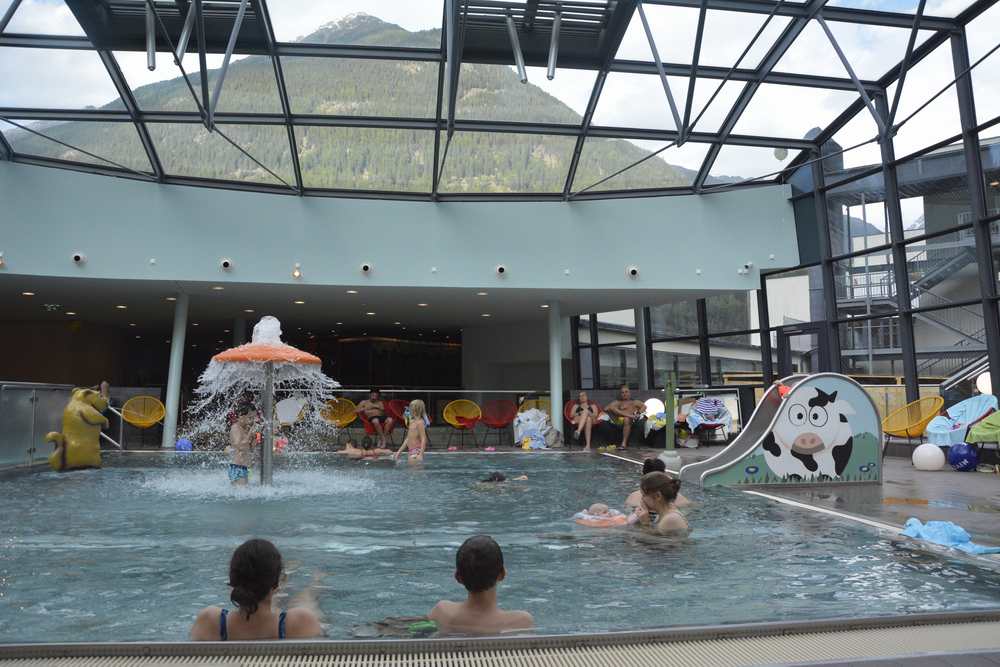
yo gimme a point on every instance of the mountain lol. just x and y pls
(361, 158)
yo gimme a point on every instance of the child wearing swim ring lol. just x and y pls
(600, 515)
(416, 434)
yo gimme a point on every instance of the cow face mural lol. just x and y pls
(812, 438)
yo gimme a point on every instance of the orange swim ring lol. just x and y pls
(612, 519)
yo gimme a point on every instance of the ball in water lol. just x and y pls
(963, 457)
(928, 457)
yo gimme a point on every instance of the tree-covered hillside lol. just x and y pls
(378, 159)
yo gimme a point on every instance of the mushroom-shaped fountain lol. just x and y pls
(262, 366)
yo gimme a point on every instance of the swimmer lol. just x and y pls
(416, 434)
(635, 498)
(599, 509)
(600, 515)
(497, 477)
(255, 573)
(479, 567)
(659, 491)
(241, 438)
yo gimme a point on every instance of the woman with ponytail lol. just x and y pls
(255, 572)
(659, 495)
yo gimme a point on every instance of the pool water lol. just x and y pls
(132, 551)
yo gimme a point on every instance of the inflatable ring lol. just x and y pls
(612, 520)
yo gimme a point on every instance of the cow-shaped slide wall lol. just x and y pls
(825, 430)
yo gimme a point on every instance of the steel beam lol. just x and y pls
(125, 93)
(783, 43)
(9, 14)
(659, 69)
(980, 211)
(905, 65)
(711, 72)
(438, 106)
(845, 14)
(230, 46)
(764, 326)
(279, 77)
(199, 28)
(185, 37)
(705, 351)
(515, 45)
(303, 50)
(150, 39)
(826, 266)
(699, 33)
(46, 42)
(554, 47)
(879, 121)
(6, 152)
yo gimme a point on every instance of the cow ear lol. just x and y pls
(832, 397)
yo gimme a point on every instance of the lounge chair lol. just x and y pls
(951, 427)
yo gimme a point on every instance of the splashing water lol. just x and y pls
(204, 485)
(237, 375)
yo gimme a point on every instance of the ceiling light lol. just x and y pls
(297, 271)
(27, 294)
(397, 323)
(369, 314)
(121, 307)
(194, 324)
(218, 288)
(171, 298)
(352, 291)
(487, 315)
(480, 293)
(544, 305)
(339, 323)
(225, 331)
(138, 337)
(995, 184)
(131, 324)
(422, 305)
(248, 310)
(299, 302)
(70, 312)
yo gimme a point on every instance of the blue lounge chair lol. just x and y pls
(950, 429)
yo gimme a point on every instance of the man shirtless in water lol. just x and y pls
(373, 409)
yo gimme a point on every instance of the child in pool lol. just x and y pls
(479, 567)
(659, 491)
(416, 434)
(241, 438)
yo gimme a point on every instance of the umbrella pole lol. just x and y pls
(267, 441)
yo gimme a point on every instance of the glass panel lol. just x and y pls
(188, 149)
(619, 365)
(361, 87)
(728, 33)
(54, 79)
(366, 158)
(857, 215)
(935, 192)
(872, 50)
(43, 17)
(399, 22)
(679, 318)
(945, 340)
(990, 154)
(865, 284)
(794, 297)
(871, 347)
(616, 327)
(940, 119)
(673, 31)
(732, 357)
(728, 312)
(638, 100)
(943, 269)
(250, 86)
(503, 162)
(586, 368)
(734, 163)
(899, 6)
(861, 128)
(674, 167)
(118, 142)
(678, 360)
(584, 330)
(795, 112)
(981, 34)
(493, 92)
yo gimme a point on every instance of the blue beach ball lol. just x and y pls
(962, 457)
(183, 445)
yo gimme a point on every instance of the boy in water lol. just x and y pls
(479, 567)
(241, 438)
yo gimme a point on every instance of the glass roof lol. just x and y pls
(350, 97)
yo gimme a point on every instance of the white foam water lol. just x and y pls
(215, 484)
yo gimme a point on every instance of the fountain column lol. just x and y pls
(174, 371)
(267, 438)
(555, 365)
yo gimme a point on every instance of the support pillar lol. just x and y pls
(642, 347)
(174, 371)
(555, 365)
(239, 331)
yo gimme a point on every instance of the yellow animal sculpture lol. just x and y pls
(79, 444)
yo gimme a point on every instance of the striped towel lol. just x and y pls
(708, 406)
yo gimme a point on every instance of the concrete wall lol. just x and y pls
(514, 356)
(62, 353)
(687, 242)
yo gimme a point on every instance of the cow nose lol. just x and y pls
(808, 440)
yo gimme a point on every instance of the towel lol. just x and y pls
(946, 534)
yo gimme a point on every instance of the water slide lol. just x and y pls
(825, 430)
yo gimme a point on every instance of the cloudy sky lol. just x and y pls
(74, 79)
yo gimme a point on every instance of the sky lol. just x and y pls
(75, 79)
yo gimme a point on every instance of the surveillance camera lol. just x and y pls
(632, 272)
(747, 265)
(79, 258)
(501, 269)
(367, 267)
(226, 263)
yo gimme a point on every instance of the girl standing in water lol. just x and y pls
(416, 433)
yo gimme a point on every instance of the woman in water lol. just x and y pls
(255, 572)
(653, 465)
(416, 433)
(584, 416)
(659, 491)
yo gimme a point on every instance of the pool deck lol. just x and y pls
(970, 499)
